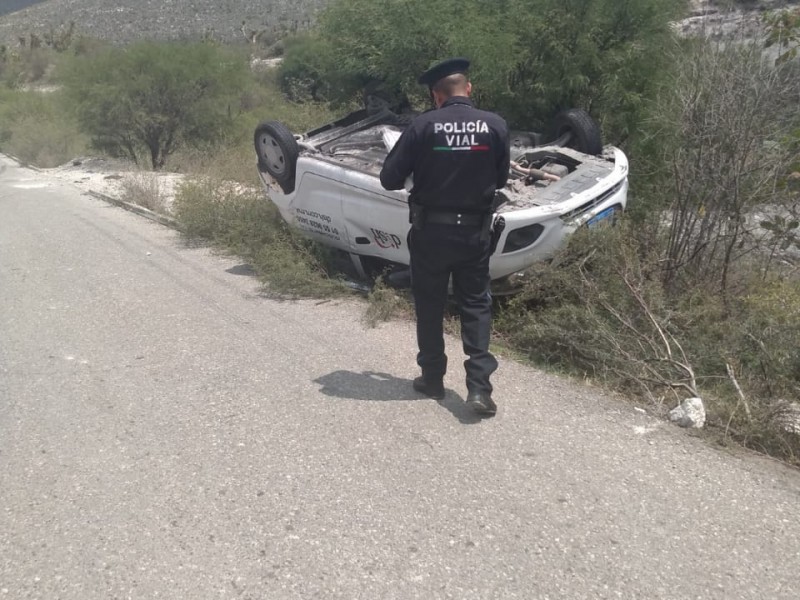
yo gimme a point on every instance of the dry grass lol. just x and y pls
(385, 303)
(144, 189)
(235, 160)
(241, 221)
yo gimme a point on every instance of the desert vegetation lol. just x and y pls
(695, 293)
(148, 100)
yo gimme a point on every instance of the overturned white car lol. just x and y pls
(325, 182)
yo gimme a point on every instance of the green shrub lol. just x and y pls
(25, 66)
(768, 336)
(306, 70)
(36, 128)
(531, 58)
(149, 99)
(580, 313)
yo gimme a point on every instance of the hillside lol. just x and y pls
(124, 21)
(127, 20)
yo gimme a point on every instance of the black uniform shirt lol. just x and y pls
(459, 156)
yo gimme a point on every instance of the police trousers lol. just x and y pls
(437, 253)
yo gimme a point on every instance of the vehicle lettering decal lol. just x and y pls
(312, 214)
(386, 240)
(316, 223)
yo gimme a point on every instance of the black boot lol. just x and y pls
(482, 404)
(432, 389)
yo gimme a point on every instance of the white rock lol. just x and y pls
(690, 413)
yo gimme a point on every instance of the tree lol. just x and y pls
(302, 71)
(150, 99)
(531, 58)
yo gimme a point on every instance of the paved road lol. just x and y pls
(167, 432)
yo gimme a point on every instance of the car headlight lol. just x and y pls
(523, 237)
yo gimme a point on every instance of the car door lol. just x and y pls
(376, 219)
(316, 208)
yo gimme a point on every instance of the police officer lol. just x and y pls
(458, 156)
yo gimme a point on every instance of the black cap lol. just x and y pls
(448, 67)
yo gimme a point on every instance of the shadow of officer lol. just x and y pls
(382, 387)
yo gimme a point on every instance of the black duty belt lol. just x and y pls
(451, 218)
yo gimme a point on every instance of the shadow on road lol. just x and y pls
(243, 269)
(382, 387)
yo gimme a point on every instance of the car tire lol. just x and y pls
(277, 152)
(584, 132)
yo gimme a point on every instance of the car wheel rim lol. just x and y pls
(273, 155)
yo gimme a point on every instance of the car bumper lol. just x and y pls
(535, 234)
